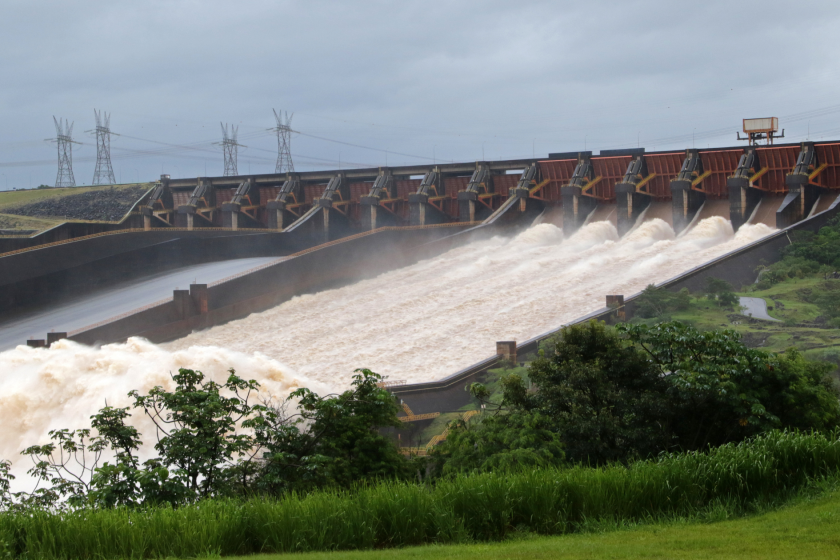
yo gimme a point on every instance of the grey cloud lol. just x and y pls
(448, 78)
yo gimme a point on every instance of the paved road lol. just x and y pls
(756, 308)
(121, 298)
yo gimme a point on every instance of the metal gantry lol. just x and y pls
(104, 172)
(64, 141)
(284, 142)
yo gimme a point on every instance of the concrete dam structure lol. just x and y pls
(416, 274)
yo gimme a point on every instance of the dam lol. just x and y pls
(412, 272)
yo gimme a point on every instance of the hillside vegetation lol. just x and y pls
(42, 208)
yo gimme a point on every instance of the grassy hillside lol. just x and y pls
(16, 198)
(807, 529)
(39, 209)
(801, 324)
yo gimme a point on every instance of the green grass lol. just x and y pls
(12, 221)
(807, 529)
(18, 198)
(798, 328)
(729, 481)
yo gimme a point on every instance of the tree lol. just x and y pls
(332, 441)
(605, 400)
(197, 429)
(720, 390)
(720, 291)
(507, 441)
(656, 302)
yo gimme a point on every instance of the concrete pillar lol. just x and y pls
(507, 350)
(629, 205)
(743, 200)
(190, 221)
(616, 302)
(576, 208)
(55, 337)
(466, 206)
(369, 206)
(147, 222)
(234, 221)
(685, 202)
(184, 305)
(199, 296)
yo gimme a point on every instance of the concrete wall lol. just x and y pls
(333, 265)
(52, 273)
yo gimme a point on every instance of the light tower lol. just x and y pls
(284, 143)
(64, 141)
(231, 149)
(104, 173)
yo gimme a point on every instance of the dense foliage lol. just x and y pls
(213, 442)
(810, 253)
(658, 302)
(729, 480)
(621, 394)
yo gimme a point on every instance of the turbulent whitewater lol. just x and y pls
(417, 323)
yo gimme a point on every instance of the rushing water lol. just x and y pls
(418, 323)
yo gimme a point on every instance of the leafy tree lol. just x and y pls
(332, 441)
(657, 302)
(506, 442)
(605, 400)
(6, 478)
(720, 390)
(720, 291)
(197, 430)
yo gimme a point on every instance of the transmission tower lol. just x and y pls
(231, 149)
(284, 143)
(64, 141)
(104, 173)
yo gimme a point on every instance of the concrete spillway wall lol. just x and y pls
(738, 267)
(43, 274)
(332, 264)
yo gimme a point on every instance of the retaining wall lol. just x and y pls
(335, 264)
(49, 274)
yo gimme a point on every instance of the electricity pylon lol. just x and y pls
(284, 143)
(104, 173)
(231, 149)
(64, 141)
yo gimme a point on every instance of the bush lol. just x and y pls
(464, 509)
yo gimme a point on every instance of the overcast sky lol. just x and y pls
(404, 82)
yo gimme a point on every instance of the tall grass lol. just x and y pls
(470, 508)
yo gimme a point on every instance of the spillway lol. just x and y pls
(431, 319)
(120, 298)
(417, 323)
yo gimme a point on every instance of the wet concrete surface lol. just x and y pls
(122, 298)
(756, 308)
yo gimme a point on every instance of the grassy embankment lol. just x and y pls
(13, 199)
(808, 528)
(727, 482)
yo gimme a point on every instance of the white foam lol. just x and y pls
(418, 323)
